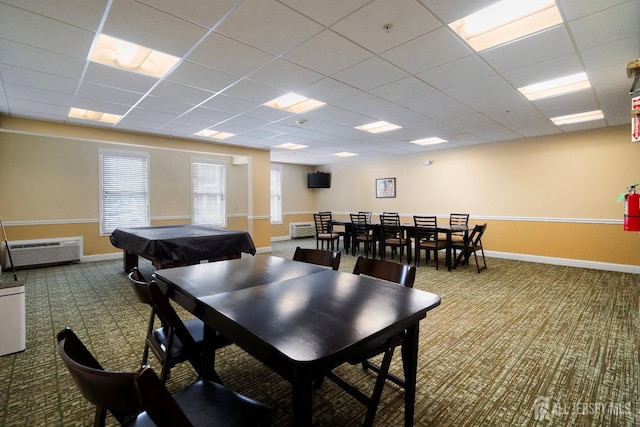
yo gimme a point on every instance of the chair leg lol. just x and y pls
(382, 377)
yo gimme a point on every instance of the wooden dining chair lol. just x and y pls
(178, 341)
(391, 235)
(318, 257)
(462, 220)
(161, 340)
(471, 246)
(140, 399)
(403, 275)
(426, 238)
(324, 231)
(361, 233)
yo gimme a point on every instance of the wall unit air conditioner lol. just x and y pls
(301, 229)
(31, 253)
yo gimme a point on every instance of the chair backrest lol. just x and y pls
(426, 227)
(124, 394)
(390, 218)
(390, 225)
(401, 274)
(112, 391)
(318, 257)
(476, 235)
(323, 222)
(359, 224)
(140, 286)
(367, 214)
(459, 219)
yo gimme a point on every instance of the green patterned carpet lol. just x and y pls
(516, 337)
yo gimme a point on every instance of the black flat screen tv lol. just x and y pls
(319, 180)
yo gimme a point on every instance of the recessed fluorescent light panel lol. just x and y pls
(214, 134)
(505, 21)
(96, 116)
(294, 103)
(291, 146)
(555, 87)
(344, 154)
(131, 57)
(578, 118)
(429, 141)
(378, 127)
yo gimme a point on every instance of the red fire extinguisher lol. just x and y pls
(632, 210)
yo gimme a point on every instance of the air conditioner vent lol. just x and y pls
(301, 229)
(31, 253)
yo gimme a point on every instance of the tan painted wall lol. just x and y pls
(549, 196)
(298, 201)
(49, 181)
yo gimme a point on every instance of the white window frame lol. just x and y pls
(276, 194)
(199, 194)
(124, 183)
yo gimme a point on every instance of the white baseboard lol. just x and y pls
(597, 265)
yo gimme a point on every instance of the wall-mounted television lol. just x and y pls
(319, 180)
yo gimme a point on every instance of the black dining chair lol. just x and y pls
(361, 233)
(391, 235)
(324, 231)
(471, 246)
(403, 275)
(318, 257)
(426, 238)
(140, 399)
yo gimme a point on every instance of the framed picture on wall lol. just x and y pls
(385, 188)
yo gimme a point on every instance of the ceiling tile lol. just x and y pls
(370, 74)
(428, 51)
(285, 75)
(269, 26)
(327, 53)
(384, 24)
(224, 54)
(325, 12)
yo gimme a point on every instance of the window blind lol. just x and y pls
(124, 181)
(208, 186)
(276, 195)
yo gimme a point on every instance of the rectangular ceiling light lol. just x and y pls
(505, 21)
(131, 57)
(344, 154)
(96, 116)
(294, 103)
(209, 133)
(378, 127)
(429, 141)
(577, 118)
(555, 87)
(291, 146)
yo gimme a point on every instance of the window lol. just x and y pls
(124, 189)
(276, 195)
(208, 187)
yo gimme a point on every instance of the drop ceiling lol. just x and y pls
(391, 60)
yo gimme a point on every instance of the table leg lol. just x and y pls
(208, 370)
(302, 390)
(129, 260)
(449, 249)
(410, 366)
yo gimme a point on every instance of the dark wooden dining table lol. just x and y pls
(408, 229)
(299, 319)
